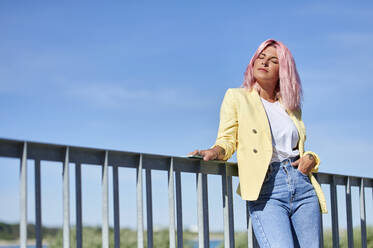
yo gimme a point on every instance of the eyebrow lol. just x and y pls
(266, 55)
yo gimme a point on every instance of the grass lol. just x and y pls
(128, 237)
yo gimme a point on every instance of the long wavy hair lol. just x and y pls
(289, 88)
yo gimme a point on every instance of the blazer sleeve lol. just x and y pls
(228, 125)
(317, 158)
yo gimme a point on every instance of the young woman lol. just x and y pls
(262, 121)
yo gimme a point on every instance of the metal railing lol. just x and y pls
(147, 163)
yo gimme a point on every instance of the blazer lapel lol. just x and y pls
(261, 113)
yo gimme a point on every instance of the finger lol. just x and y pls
(193, 152)
(208, 157)
(296, 163)
(205, 155)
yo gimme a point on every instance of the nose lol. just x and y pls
(264, 62)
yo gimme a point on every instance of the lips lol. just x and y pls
(262, 69)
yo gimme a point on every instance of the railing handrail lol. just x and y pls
(12, 148)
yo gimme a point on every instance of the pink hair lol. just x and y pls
(290, 88)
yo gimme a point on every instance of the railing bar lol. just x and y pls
(105, 203)
(140, 219)
(363, 215)
(225, 210)
(78, 196)
(200, 210)
(23, 198)
(149, 207)
(350, 230)
(251, 240)
(333, 198)
(171, 205)
(321, 245)
(206, 232)
(66, 201)
(228, 210)
(38, 228)
(179, 211)
(321, 232)
(248, 227)
(116, 207)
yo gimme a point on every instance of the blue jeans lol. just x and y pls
(287, 212)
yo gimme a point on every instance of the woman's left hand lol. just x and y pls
(305, 164)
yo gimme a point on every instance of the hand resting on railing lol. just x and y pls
(215, 153)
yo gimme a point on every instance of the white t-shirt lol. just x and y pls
(284, 133)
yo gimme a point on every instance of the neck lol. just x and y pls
(267, 90)
(268, 94)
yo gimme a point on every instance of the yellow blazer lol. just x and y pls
(244, 127)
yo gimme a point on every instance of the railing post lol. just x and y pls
(171, 205)
(350, 230)
(228, 209)
(321, 232)
(202, 208)
(321, 222)
(251, 239)
(149, 208)
(179, 211)
(38, 225)
(66, 201)
(105, 203)
(333, 197)
(362, 215)
(78, 197)
(140, 218)
(23, 198)
(116, 207)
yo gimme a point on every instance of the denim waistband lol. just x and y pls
(285, 161)
(274, 166)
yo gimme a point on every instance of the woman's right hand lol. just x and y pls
(214, 153)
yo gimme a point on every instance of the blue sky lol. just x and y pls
(150, 77)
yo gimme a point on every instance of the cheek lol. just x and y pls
(276, 71)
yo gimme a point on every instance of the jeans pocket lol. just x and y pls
(301, 173)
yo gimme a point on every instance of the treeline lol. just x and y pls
(128, 237)
(91, 236)
(11, 231)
